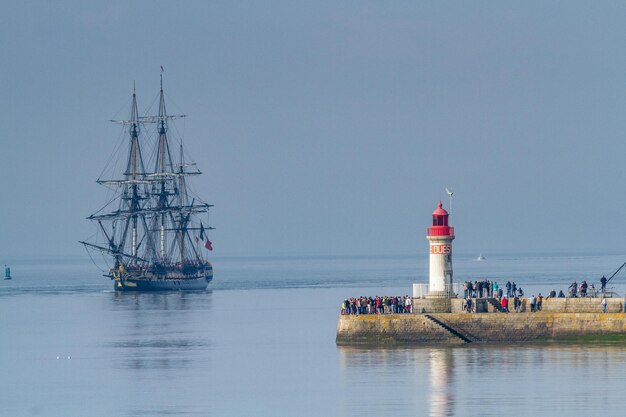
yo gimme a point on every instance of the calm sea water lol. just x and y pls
(261, 342)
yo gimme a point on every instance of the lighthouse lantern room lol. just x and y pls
(440, 236)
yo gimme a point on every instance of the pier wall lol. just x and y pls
(581, 305)
(457, 329)
(392, 329)
(554, 305)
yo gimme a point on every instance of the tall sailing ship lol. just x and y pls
(151, 231)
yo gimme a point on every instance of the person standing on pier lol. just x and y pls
(505, 304)
(531, 301)
(603, 284)
(604, 304)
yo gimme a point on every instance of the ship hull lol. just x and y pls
(147, 285)
(168, 282)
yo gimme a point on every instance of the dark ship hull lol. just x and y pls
(169, 280)
(167, 284)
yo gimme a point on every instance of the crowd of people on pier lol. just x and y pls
(584, 289)
(490, 289)
(508, 304)
(376, 305)
(509, 296)
(513, 297)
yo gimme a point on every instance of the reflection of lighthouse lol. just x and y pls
(440, 236)
(440, 394)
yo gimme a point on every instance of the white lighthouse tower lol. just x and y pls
(440, 236)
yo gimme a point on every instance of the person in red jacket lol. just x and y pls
(505, 304)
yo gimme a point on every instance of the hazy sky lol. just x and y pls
(327, 127)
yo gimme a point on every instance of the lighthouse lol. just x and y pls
(440, 236)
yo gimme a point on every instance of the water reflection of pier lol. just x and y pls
(426, 376)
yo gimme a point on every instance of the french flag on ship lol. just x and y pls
(207, 242)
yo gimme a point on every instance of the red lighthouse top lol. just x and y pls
(440, 212)
(440, 223)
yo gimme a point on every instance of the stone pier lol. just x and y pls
(560, 319)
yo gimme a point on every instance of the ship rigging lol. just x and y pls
(155, 237)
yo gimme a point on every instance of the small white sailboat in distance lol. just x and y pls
(481, 257)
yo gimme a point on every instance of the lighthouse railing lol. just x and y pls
(453, 290)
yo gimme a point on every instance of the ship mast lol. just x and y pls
(160, 168)
(182, 201)
(132, 162)
(164, 171)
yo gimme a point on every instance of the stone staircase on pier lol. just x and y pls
(495, 304)
(455, 332)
